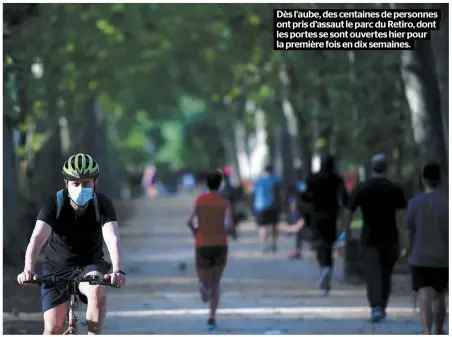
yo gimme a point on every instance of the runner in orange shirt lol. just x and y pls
(212, 212)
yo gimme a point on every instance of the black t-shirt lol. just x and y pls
(76, 239)
(324, 190)
(378, 199)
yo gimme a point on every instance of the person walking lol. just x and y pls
(323, 192)
(267, 206)
(301, 211)
(427, 221)
(379, 200)
(228, 192)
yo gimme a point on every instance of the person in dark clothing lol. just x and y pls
(228, 192)
(427, 220)
(323, 192)
(292, 218)
(379, 199)
(267, 207)
(301, 211)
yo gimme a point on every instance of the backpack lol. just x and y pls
(60, 201)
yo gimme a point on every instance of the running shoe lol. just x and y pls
(211, 324)
(376, 315)
(325, 279)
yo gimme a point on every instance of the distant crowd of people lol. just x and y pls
(320, 208)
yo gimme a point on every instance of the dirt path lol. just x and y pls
(260, 293)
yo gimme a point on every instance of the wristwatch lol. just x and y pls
(119, 272)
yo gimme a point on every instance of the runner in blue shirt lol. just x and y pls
(266, 207)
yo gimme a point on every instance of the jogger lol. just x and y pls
(211, 210)
(325, 191)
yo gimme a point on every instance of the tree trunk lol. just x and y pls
(291, 137)
(48, 160)
(440, 47)
(419, 73)
(91, 138)
(15, 231)
(422, 94)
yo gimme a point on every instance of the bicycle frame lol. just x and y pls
(71, 319)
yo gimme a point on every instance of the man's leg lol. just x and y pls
(263, 237)
(274, 227)
(439, 312)
(55, 304)
(97, 304)
(203, 263)
(55, 318)
(388, 259)
(373, 277)
(439, 303)
(426, 297)
(216, 274)
(297, 253)
(264, 221)
(274, 217)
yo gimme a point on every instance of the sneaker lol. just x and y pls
(294, 254)
(325, 279)
(376, 316)
(205, 296)
(211, 324)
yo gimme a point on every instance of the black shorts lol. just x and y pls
(53, 296)
(211, 256)
(436, 278)
(268, 216)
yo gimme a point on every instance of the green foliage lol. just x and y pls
(185, 69)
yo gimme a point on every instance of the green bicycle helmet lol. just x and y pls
(80, 166)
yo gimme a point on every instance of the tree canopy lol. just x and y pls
(198, 85)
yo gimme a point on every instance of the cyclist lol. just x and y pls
(74, 237)
(211, 210)
(267, 206)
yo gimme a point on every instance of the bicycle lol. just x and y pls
(72, 283)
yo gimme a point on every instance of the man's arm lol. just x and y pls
(343, 193)
(191, 218)
(110, 232)
(39, 237)
(229, 219)
(409, 226)
(351, 207)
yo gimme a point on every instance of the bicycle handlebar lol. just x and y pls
(92, 280)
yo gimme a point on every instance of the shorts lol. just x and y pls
(436, 278)
(267, 216)
(53, 296)
(211, 256)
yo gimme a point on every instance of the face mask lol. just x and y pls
(80, 195)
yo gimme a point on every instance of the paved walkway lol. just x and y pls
(260, 293)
